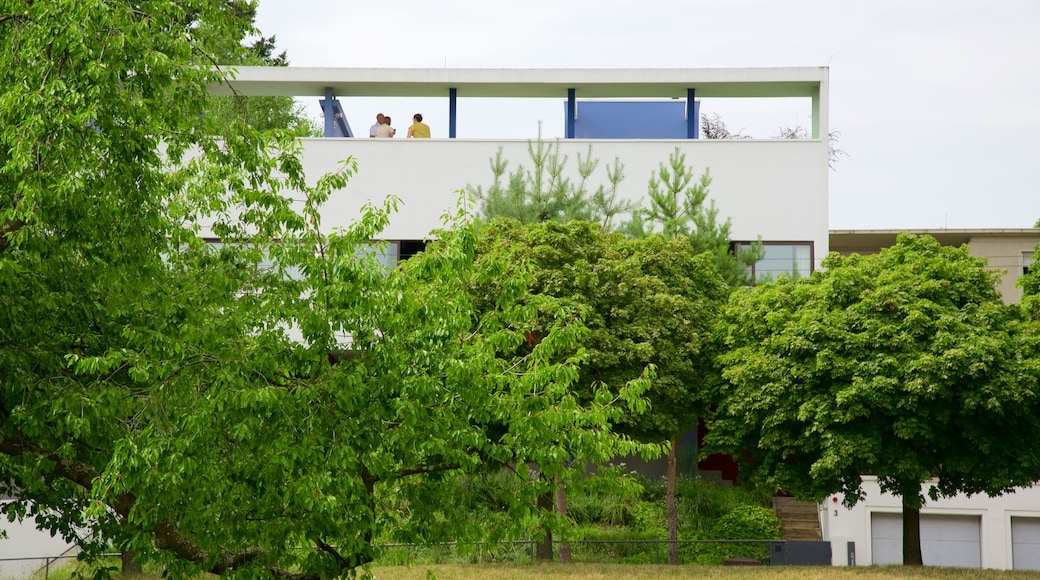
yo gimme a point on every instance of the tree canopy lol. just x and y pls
(647, 302)
(246, 407)
(650, 303)
(905, 365)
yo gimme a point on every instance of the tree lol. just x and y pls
(242, 409)
(230, 50)
(543, 193)
(678, 205)
(905, 365)
(834, 153)
(713, 127)
(649, 303)
(676, 208)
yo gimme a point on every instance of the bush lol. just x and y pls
(701, 503)
(748, 522)
(743, 522)
(650, 518)
(610, 498)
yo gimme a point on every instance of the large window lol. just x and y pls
(794, 259)
(1027, 261)
(387, 253)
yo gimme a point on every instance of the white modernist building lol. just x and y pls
(771, 189)
(775, 190)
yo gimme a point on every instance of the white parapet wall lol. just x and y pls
(773, 189)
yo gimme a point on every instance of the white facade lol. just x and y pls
(978, 531)
(775, 190)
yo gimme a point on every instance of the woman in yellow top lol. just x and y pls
(419, 130)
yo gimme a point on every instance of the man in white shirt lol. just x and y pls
(375, 128)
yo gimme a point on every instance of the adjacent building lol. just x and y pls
(1009, 250)
(974, 532)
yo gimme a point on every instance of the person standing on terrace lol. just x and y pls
(419, 130)
(385, 130)
(375, 128)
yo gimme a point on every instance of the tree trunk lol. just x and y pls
(673, 514)
(561, 507)
(544, 550)
(912, 531)
(130, 565)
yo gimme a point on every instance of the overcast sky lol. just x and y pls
(937, 101)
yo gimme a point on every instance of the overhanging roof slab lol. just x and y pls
(529, 83)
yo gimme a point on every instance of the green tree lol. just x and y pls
(230, 50)
(544, 193)
(677, 207)
(680, 205)
(648, 302)
(905, 365)
(243, 408)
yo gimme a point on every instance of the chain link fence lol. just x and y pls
(704, 552)
(37, 568)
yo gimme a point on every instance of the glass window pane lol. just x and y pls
(779, 259)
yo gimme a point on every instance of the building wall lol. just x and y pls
(1005, 253)
(842, 525)
(776, 189)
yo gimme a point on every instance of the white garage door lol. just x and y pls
(945, 540)
(1025, 543)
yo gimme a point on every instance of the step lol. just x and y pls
(799, 520)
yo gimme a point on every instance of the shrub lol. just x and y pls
(743, 522)
(748, 522)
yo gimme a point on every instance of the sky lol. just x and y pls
(937, 102)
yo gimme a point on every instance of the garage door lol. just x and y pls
(1025, 543)
(945, 540)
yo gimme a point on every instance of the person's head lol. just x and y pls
(417, 117)
(379, 118)
(386, 120)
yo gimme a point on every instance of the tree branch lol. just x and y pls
(6, 17)
(428, 469)
(167, 536)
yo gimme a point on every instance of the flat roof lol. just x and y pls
(538, 83)
(854, 240)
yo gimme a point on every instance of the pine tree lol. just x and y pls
(542, 193)
(679, 205)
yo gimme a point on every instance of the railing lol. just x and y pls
(706, 552)
(37, 566)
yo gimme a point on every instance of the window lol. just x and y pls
(1027, 260)
(794, 259)
(384, 253)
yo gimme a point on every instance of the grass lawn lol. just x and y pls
(582, 571)
(647, 572)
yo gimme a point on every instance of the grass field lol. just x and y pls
(648, 572)
(581, 571)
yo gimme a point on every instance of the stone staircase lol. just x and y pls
(799, 520)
